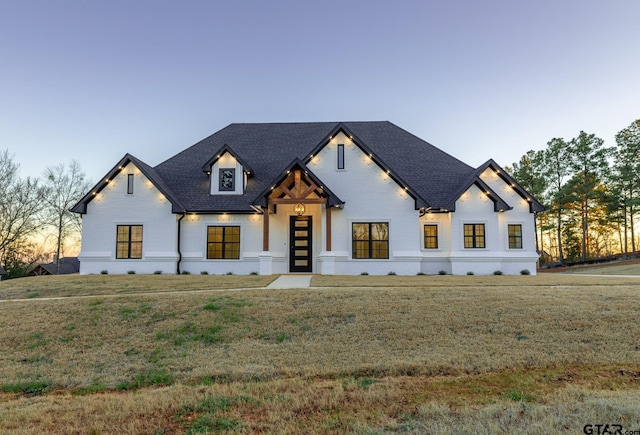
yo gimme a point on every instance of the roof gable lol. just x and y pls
(226, 149)
(147, 171)
(429, 175)
(344, 129)
(534, 205)
(320, 189)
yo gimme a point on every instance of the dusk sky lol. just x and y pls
(93, 80)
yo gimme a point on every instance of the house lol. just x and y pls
(66, 266)
(327, 198)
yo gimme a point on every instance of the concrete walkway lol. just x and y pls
(291, 281)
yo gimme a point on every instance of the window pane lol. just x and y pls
(123, 233)
(360, 232)
(129, 241)
(474, 236)
(129, 184)
(360, 249)
(122, 250)
(136, 233)
(431, 236)
(136, 250)
(379, 249)
(340, 156)
(214, 251)
(380, 231)
(223, 242)
(515, 236)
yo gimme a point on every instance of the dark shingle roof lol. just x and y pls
(432, 177)
(432, 174)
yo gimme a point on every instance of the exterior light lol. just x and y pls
(299, 209)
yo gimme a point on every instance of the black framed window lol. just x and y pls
(227, 179)
(515, 236)
(474, 236)
(370, 240)
(431, 237)
(129, 241)
(129, 184)
(340, 156)
(223, 242)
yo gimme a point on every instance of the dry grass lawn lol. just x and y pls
(421, 354)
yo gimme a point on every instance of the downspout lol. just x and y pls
(184, 213)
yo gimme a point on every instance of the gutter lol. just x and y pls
(184, 213)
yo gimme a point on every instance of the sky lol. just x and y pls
(93, 80)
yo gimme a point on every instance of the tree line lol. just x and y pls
(34, 213)
(591, 193)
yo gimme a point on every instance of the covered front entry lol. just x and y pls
(300, 244)
(296, 189)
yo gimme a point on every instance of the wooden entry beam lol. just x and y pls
(297, 200)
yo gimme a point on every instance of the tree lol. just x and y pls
(20, 207)
(589, 163)
(65, 186)
(529, 173)
(626, 176)
(556, 168)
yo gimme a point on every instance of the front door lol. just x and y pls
(300, 244)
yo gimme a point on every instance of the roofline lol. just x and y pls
(499, 204)
(420, 202)
(226, 148)
(534, 205)
(332, 198)
(147, 171)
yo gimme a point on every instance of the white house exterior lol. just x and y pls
(327, 198)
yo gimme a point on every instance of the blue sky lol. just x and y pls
(93, 80)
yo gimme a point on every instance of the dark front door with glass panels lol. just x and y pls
(300, 244)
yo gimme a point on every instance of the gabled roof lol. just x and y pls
(67, 265)
(429, 175)
(342, 128)
(148, 171)
(534, 205)
(332, 199)
(225, 149)
(474, 179)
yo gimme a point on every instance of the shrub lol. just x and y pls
(131, 272)
(253, 273)
(525, 272)
(497, 272)
(186, 272)
(364, 273)
(391, 273)
(204, 272)
(442, 272)
(229, 273)
(470, 273)
(104, 272)
(157, 272)
(420, 273)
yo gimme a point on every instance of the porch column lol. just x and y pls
(265, 258)
(327, 211)
(265, 229)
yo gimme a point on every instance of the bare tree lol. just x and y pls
(20, 207)
(65, 186)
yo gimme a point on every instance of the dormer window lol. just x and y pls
(227, 179)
